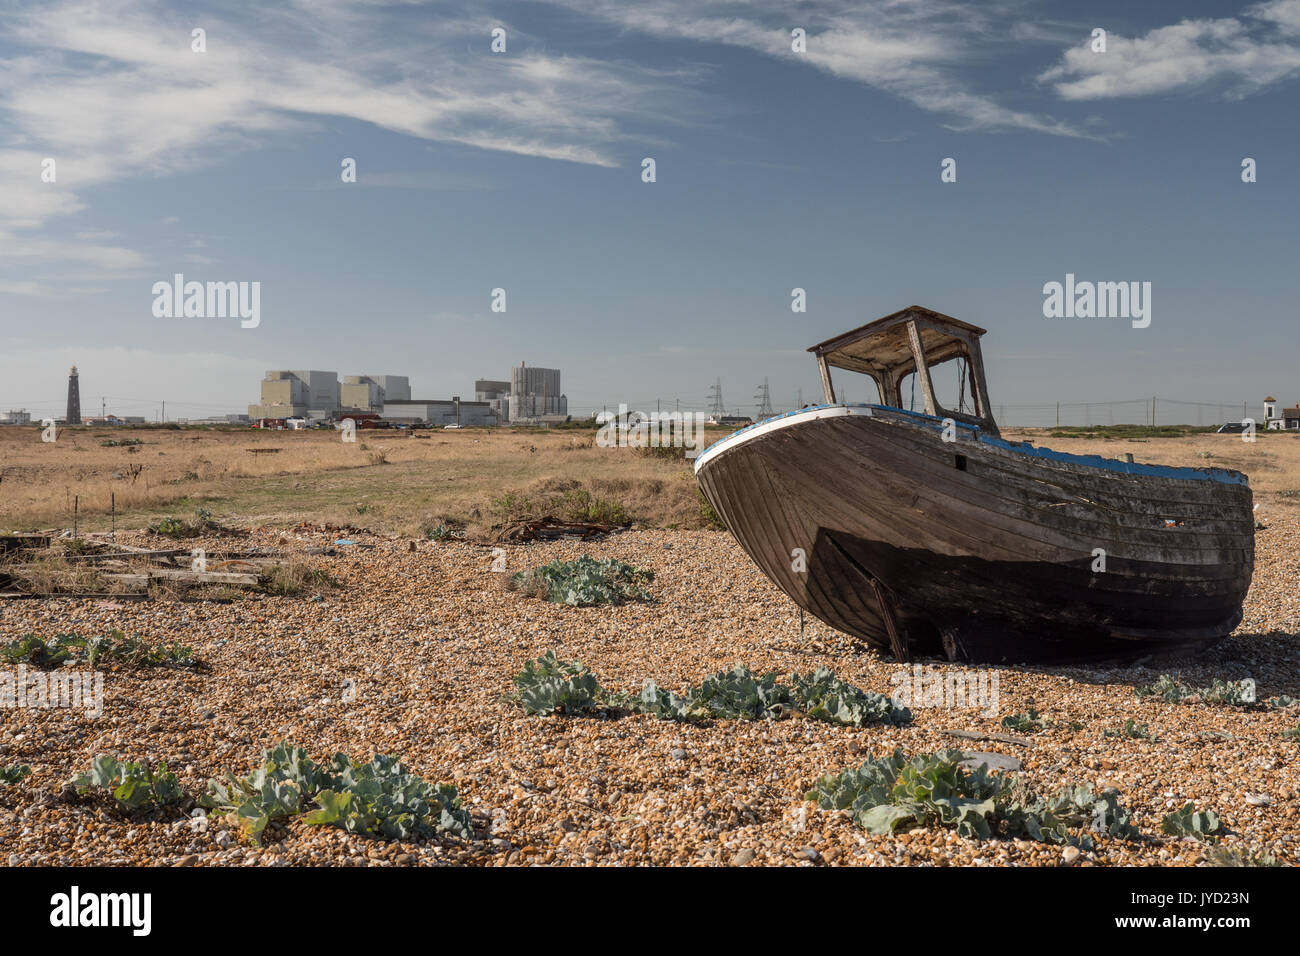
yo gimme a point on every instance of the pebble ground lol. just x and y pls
(415, 655)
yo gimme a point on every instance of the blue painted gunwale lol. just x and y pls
(935, 423)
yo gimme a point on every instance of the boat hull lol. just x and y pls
(986, 550)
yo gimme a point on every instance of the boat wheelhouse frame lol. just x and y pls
(911, 341)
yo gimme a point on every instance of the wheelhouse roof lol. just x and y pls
(883, 344)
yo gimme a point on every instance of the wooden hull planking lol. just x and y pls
(987, 549)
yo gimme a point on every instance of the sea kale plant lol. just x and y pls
(1027, 723)
(172, 527)
(823, 696)
(1235, 692)
(275, 790)
(1225, 856)
(1191, 822)
(14, 774)
(1131, 729)
(585, 581)
(379, 798)
(664, 704)
(739, 693)
(549, 685)
(133, 785)
(116, 648)
(1049, 820)
(31, 649)
(890, 792)
(112, 648)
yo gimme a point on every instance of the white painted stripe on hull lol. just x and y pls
(783, 421)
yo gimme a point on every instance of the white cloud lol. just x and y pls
(112, 90)
(37, 252)
(912, 50)
(1242, 56)
(23, 288)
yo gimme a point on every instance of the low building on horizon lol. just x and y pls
(439, 412)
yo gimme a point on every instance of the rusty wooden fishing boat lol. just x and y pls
(928, 534)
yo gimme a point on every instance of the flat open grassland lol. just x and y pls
(399, 481)
(415, 651)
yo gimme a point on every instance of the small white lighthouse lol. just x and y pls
(1270, 413)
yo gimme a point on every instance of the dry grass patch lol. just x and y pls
(295, 578)
(396, 482)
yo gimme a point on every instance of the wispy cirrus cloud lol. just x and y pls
(917, 51)
(113, 90)
(1240, 55)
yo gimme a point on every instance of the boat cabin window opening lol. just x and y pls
(961, 384)
(952, 389)
(864, 391)
(941, 352)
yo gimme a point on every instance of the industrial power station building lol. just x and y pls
(299, 394)
(535, 394)
(369, 392)
(532, 396)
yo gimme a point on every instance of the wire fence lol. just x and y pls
(1154, 410)
(1135, 411)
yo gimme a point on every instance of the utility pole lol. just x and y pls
(1153, 411)
(1058, 414)
(164, 413)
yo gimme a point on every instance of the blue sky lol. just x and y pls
(522, 170)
